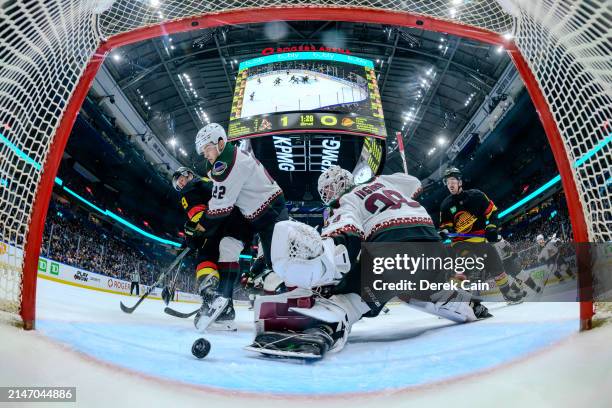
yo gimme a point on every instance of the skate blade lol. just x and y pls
(282, 353)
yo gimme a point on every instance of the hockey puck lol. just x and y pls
(200, 348)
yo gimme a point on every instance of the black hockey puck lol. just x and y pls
(200, 348)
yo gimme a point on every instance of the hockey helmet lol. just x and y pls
(540, 238)
(333, 182)
(211, 133)
(181, 171)
(451, 172)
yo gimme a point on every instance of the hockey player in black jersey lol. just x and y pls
(217, 257)
(472, 216)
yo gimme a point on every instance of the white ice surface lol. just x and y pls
(529, 353)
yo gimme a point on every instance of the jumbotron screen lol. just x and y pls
(306, 91)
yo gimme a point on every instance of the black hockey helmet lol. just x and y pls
(451, 172)
(181, 171)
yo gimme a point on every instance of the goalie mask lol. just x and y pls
(305, 260)
(333, 182)
(181, 171)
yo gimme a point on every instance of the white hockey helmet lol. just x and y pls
(333, 182)
(211, 133)
(540, 238)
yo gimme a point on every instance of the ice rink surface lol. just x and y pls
(404, 348)
(322, 92)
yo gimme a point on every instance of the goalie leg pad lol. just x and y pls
(451, 305)
(272, 312)
(340, 312)
(271, 282)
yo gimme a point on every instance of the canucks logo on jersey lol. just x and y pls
(218, 168)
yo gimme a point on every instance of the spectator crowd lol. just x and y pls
(82, 240)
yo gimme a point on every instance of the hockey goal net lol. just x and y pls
(50, 51)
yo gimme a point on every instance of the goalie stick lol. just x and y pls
(161, 277)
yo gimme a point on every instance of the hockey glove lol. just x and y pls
(194, 235)
(491, 233)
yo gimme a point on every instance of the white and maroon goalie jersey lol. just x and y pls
(381, 205)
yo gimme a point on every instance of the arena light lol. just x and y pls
(116, 56)
(441, 141)
(140, 230)
(173, 142)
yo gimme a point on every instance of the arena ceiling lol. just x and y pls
(431, 83)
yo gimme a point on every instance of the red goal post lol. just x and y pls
(54, 49)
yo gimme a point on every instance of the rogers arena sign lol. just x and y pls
(298, 48)
(120, 285)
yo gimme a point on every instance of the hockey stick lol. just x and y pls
(456, 234)
(161, 277)
(171, 287)
(400, 148)
(182, 315)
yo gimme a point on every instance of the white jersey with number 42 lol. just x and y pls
(383, 203)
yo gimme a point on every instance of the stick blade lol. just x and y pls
(126, 309)
(182, 315)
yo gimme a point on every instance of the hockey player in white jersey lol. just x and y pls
(550, 255)
(512, 265)
(239, 180)
(307, 322)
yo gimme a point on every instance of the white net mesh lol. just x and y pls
(45, 46)
(570, 59)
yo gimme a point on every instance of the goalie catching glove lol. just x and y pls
(305, 260)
